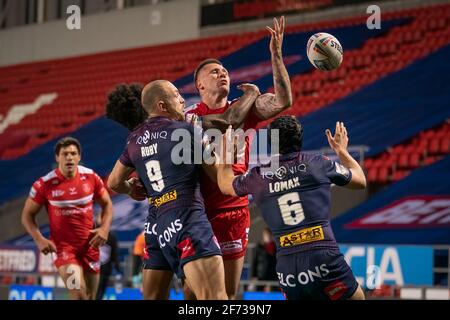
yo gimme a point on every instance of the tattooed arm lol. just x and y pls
(269, 105)
(234, 115)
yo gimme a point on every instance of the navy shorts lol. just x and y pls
(318, 274)
(154, 258)
(182, 235)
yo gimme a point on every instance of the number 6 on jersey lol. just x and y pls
(291, 208)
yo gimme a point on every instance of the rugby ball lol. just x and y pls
(324, 51)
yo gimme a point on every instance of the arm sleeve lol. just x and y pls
(37, 192)
(242, 183)
(125, 157)
(336, 172)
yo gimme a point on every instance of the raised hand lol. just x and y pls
(276, 40)
(339, 141)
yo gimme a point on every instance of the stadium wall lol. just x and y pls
(140, 26)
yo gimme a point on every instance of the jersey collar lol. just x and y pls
(208, 110)
(62, 177)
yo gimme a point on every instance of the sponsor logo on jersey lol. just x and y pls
(304, 277)
(73, 191)
(336, 290)
(151, 136)
(281, 172)
(86, 188)
(165, 198)
(57, 193)
(167, 234)
(306, 235)
(149, 229)
(94, 265)
(343, 171)
(186, 247)
(409, 212)
(229, 247)
(71, 211)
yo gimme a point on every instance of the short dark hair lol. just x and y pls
(290, 133)
(124, 106)
(65, 142)
(201, 65)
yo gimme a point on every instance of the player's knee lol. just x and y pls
(78, 294)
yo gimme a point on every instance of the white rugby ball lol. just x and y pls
(324, 51)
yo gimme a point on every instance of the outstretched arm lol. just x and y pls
(269, 105)
(235, 115)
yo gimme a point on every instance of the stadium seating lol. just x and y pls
(82, 82)
(398, 161)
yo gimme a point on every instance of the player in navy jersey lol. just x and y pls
(183, 231)
(230, 216)
(294, 201)
(124, 107)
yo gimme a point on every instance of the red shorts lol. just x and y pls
(86, 257)
(231, 228)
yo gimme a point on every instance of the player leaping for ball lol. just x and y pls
(230, 216)
(125, 107)
(295, 204)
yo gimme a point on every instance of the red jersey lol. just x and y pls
(214, 199)
(69, 204)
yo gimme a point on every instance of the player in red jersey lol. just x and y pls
(124, 107)
(68, 193)
(229, 216)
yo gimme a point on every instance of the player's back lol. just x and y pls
(166, 167)
(295, 199)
